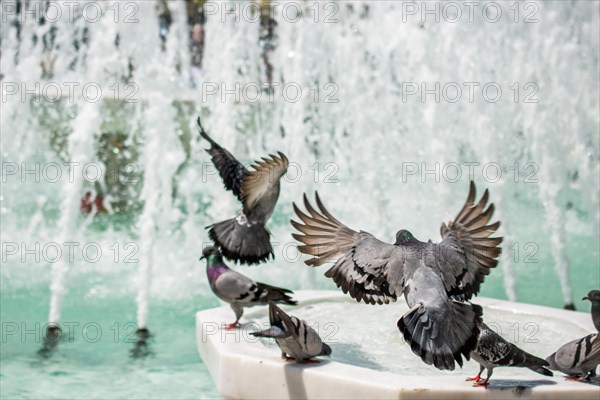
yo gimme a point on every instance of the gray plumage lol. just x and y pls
(594, 297)
(294, 337)
(436, 279)
(493, 351)
(245, 238)
(578, 358)
(239, 290)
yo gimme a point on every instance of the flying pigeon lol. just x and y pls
(578, 358)
(594, 297)
(493, 351)
(295, 338)
(238, 290)
(245, 238)
(436, 279)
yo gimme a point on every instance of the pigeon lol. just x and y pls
(295, 338)
(493, 351)
(239, 290)
(578, 358)
(437, 280)
(245, 238)
(594, 297)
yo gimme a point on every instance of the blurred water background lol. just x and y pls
(387, 108)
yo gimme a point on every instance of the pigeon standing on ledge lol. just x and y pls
(436, 279)
(239, 290)
(580, 358)
(245, 238)
(294, 337)
(493, 351)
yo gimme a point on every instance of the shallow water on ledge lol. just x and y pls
(367, 336)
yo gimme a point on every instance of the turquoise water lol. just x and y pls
(94, 360)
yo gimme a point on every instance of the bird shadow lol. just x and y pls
(595, 381)
(294, 377)
(518, 386)
(343, 353)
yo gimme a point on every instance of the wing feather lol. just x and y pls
(469, 251)
(262, 178)
(232, 172)
(365, 267)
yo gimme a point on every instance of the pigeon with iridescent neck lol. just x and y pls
(239, 290)
(245, 238)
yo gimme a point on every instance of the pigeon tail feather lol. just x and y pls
(276, 294)
(242, 242)
(442, 342)
(273, 332)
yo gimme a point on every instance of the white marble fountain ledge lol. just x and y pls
(244, 368)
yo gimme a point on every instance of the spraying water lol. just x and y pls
(388, 120)
(81, 148)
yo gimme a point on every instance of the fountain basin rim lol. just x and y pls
(250, 370)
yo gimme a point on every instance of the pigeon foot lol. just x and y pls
(480, 384)
(232, 326)
(476, 378)
(577, 378)
(310, 361)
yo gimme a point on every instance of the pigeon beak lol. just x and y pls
(585, 298)
(201, 258)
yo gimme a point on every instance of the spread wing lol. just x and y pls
(231, 170)
(467, 253)
(365, 267)
(260, 181)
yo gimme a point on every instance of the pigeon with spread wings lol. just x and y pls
(436, 279)
(245, 238)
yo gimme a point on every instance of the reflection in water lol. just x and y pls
(142, 348)
(51, 338)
